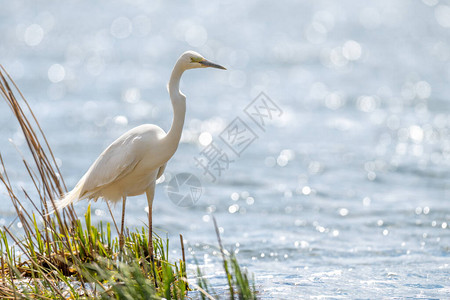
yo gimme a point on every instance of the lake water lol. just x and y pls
(344, 193)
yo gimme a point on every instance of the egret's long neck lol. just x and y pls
(179, 110)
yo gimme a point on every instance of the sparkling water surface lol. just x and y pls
(345, 195)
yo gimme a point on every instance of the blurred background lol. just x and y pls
(346, 194)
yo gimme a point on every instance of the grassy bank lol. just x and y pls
(56, 256)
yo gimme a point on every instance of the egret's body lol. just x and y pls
(131, 165)
(127, 167)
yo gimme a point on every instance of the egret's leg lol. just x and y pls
(121, 238)
(150, 196)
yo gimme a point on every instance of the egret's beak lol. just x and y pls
(207, 63)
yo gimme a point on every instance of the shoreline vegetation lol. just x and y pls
(59, 257)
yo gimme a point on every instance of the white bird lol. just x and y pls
(131, 165)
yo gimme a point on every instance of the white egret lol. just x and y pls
(131, 165)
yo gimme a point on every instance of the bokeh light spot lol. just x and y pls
(121, 28)
(205, 138)
(442, 15)
(33, 35)
(121, 120)
(56, 73)
(196, 36)
(351, 50)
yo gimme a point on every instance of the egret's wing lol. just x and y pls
(118, 160)
(161, 171)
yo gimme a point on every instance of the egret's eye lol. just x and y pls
(196, 59)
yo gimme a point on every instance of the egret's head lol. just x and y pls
(192, 60)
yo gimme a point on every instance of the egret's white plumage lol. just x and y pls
(126, 168)
(131, 165)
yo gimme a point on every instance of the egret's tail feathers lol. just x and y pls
(69, 198)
